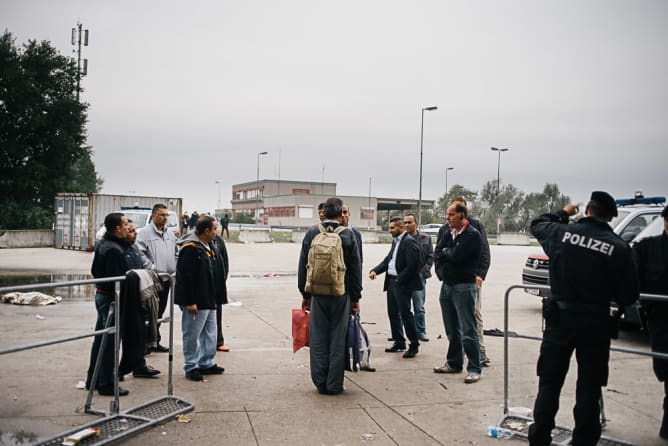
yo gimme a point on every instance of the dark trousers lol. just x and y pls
(163, 296)
(658, 339)
(105, 376)
(219, 323)
(588, 336)
(400, 314)
(327, 340)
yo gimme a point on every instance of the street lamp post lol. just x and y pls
(257, 197)
(498, 186)
(218, 183)
(421, 140)
(446, 179)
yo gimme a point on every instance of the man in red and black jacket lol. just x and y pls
(456, 259)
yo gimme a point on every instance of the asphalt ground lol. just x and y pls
(265, 396)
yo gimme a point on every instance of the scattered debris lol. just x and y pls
(443, 385)
(234, 304)
(183, 418)
(77, 437)
(517, 425)
(369, 436)
(439, 337)
(39, 317)
(30, 298)
(616, 391)
(123, 424)
(80, 385)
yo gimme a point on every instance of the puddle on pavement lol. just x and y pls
(76, 292)
(17, 438)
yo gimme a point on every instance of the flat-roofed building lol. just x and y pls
(295, 203)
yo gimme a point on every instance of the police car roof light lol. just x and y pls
(645, 200)
(134, 208)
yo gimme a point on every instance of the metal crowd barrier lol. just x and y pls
(518, 424)
(115, 424)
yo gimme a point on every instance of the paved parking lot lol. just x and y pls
(266, 397)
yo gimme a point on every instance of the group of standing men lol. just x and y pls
(201, 265)
(461, 259)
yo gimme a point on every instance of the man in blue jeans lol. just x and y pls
(457, 255)
(427, 254)
(196, 294)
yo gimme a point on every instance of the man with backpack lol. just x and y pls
(330, 281)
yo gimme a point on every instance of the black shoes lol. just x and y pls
(109, 391)
(213, 370)
(146, 372)
(160, 349)
(396, 348)
(322, 390)
(197, 374)
(194, 375)
(411, 352)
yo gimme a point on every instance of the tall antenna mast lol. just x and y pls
(80, 36)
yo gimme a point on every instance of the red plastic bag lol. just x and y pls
(300, 324)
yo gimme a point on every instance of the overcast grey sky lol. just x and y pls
(184, 94)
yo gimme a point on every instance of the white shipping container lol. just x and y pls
(79, 216)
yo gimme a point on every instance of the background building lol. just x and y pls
(295, 203)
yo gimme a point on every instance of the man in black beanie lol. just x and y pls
(590, 266)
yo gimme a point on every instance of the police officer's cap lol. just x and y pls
(605, 201)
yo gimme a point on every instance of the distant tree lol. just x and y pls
(457, 190)
(535, 204)
(503, 205)
(43, 147)
(242, 217)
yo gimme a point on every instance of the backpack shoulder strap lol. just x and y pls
(339, 229)
(321, 228)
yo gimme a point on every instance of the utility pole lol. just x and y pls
(80, 36)
(368, 227)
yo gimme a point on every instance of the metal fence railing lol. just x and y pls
(506, 336)
(141, 417)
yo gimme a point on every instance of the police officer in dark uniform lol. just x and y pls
(590, 266)
(652, 258)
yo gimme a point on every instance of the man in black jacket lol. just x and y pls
(345, 221)
(427, 260)
(223, 272)
(483, 267)
(457, 256)
(196, 293)
(402, 265)
(590, 266)
(109, 261)
(652, 258)
(329, 314)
